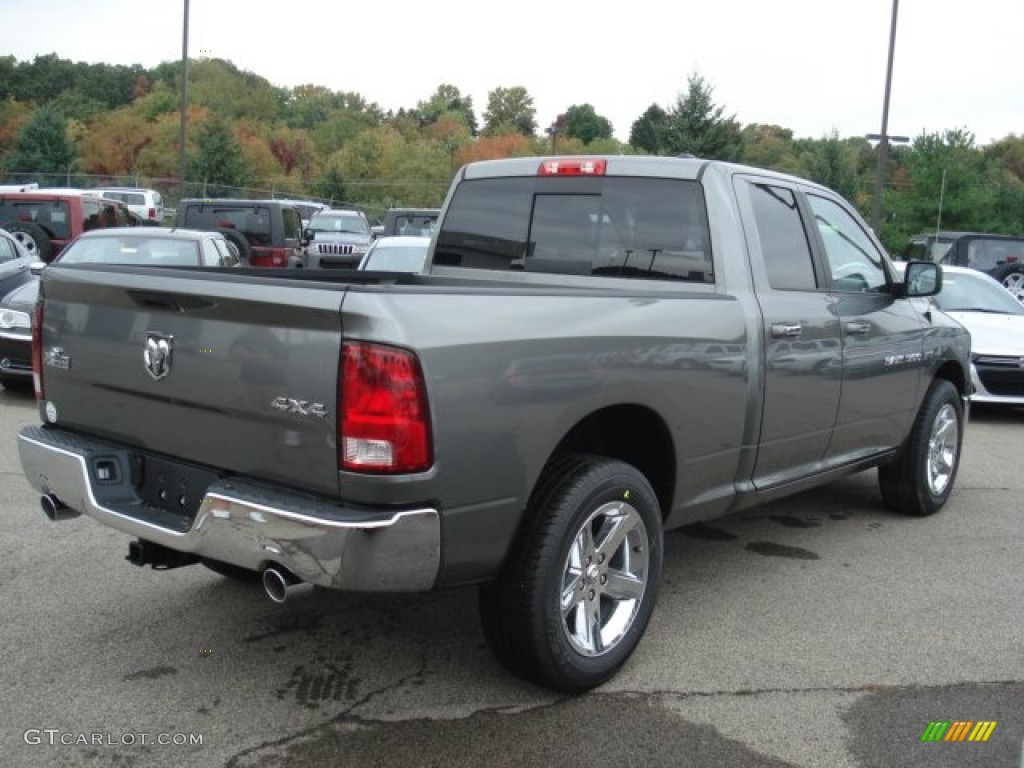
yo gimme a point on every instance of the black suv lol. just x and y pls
(266, 233)
(1001, 256)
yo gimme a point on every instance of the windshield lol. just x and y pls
(322, 222)
(155, 251)
(975, 293)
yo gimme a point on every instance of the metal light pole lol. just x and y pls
(183, 106)
(883, 139)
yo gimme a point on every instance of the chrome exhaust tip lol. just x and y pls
(280, 584)
(55, 509)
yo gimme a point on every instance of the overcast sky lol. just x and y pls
(813, 66)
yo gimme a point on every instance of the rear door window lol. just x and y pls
(786, 251)
(292, 224)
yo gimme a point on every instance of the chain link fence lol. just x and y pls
(374, 202)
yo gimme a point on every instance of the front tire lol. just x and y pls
(919, 481)
(577, 591)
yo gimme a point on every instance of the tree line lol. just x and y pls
(89, 124)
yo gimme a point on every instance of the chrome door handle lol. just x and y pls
(786, 330)
(858, 329)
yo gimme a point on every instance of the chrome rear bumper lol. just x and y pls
(245, 524)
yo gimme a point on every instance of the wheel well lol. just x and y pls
(955, 375)
(633, 434)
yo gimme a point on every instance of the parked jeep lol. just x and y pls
(337, 238)
(44, 221)
(266, 233)
(1001, 256)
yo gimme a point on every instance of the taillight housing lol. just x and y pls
(37, 349)
(269, 257)
(383, 419)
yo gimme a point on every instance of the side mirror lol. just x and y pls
(307, 234)
(37, 267)
(922, 279)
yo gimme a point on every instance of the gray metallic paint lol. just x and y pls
(512, 362)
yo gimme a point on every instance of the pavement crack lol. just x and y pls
(866, 688)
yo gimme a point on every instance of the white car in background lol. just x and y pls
(147, 204)
(396, 254)
(995, 320)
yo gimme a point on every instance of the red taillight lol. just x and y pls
(269, 257)
(383, 421)
(572, 167)
(37, 349)
(152, 213)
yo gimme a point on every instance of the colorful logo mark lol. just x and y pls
(958, 730)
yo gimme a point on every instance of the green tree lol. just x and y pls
(583, 122)
(772, 147)
(649, 131)
(941, 182)
(833, 164)
(510, 110)
(218, 161)
(697, 126)
(42, 145)
(331, 185)
(448, 101)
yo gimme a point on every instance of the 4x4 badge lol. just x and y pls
(157, 354)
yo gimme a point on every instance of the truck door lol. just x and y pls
(800, 331)
(882, 337)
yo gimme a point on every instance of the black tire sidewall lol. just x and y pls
(606, 482)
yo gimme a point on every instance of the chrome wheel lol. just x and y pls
(604, 578)
(1014, 283)
(28, 243)
(942, 449)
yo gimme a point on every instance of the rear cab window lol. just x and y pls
(642, 228)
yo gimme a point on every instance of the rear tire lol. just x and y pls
(241, 243)
(233, 572)
(580, 583)
(919, 480)
(33, 239)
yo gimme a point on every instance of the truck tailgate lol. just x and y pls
(236, 373)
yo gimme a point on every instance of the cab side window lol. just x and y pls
(855, 263)
(784, 245)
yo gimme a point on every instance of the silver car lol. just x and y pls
(337, 238)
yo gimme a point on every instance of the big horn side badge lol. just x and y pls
(157, 355)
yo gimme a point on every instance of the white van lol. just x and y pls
(145, 203)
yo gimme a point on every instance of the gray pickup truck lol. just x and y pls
(601, 349)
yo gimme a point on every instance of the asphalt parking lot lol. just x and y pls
(819, 631)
